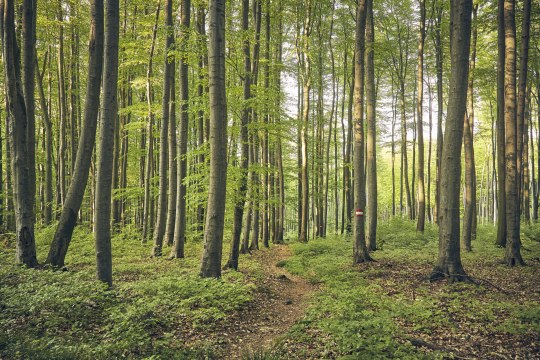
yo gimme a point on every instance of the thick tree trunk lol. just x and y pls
(109, 114)
(360, 252)
(449, 260)
(20, 106)
(211, 261)
(513, 242)
(371, 148)
(85, 150)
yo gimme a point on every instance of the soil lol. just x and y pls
(280, 301)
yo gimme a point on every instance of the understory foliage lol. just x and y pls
(155, 305)
(380, 310)
(161, 309)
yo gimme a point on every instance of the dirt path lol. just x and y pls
(280, 302)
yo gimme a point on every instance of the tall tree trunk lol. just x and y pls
(449, 260)
(20, 105)
(371, 131)
(439, 70)
(501, 154)
(360, 252)
(521, 101)
(149, 141)
(420, 225)
(468, 142)
(173, 164)
(211, 261)
(513, 243)
(180, 223)
(244, 141)
(159, 230)
(62, 143)
(109, 114)
(264, 146)
(47, 128)
(72, 204)
(306, 83)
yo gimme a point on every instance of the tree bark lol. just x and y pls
(20, 106)
(513, 242)
(449, 259)
(501, 169)
(72, 204)
(211, 261)
(244, 146)
(421, 221)
(360, 252)
(159, 230)
(371, 131)
(468, 146)
(109, 113)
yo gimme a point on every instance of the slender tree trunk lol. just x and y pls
(371, 131)
(306, 83)
(501, 153)
(149, 141)
(62, 146)
(47, 128)
(181, 213)
(420, 225)
(159, 230)
(109, 113)
(468, 146)
(211, 261)
(244, 141)
(449, 260)
(72, 204)
(439, 69)
(521, 100)
(360, 253)
(513, 243)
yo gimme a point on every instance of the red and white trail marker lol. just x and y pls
(359, 212)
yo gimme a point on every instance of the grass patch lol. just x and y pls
(157, 309)
(377, 310)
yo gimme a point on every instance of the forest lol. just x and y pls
(270, 179)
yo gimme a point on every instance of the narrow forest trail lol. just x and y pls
(281, 300)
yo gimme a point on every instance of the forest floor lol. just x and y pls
(294, 301)
(280, 301)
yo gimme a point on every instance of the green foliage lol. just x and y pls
(154, 306)
(374, 310)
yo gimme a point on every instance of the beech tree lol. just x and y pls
(213, 236)
(109, 113)
(85, 149)
(449, 258)
(20, 106)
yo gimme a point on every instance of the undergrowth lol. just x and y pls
(155, 305)
(378, 310)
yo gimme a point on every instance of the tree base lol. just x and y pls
(361, 258)
(514, 261)
(440, 273)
